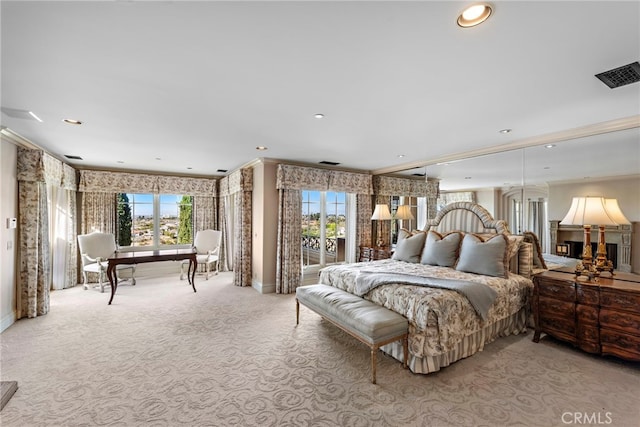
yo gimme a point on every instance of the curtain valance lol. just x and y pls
(292, 177)
(120, 182)
(38, 166)
(396, 186)
(240, 180)
(186, 185)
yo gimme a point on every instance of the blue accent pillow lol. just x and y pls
(486, 257)
(409, 246)
(441, 250)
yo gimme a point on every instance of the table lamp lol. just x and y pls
(381, 213)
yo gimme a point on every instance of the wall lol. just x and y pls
(8, 237)
(626, 190)
(264, 227)
(489, 199)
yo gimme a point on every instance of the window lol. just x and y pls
(154, 220)
(324, 227)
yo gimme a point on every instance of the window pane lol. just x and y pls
(141, 217)
(175, 224)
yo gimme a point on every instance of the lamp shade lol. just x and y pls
(404, 212)
(615, 212)
(381, 212)
(588, 211)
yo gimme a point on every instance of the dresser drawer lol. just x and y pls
(556, 308)
(620, 344)
(620, 300)
(626, 322)
(587, 313)
(555, 289)
(588, 332)
(587, 294)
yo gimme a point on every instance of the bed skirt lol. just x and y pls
(471, 344)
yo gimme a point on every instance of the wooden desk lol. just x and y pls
(151, 256)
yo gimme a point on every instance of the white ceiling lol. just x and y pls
(193, 87)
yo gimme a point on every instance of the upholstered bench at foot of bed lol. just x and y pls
(370, 323)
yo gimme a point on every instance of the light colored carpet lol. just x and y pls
(162, 355)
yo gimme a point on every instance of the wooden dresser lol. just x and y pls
(371, 253)
(600, 317)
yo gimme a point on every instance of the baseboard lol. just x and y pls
(262, 288)
(7, 321)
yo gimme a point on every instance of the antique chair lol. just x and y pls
(95, 250)
(207, 246)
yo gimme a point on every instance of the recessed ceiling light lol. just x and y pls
(400, 156)
(158, 158)
(72, 121)
(547, 167)
(505, 131)
(467, 177)
(474, 15)
(319, 116)
(549, 145)
(189, 167)
(261, 148)
(120, 161)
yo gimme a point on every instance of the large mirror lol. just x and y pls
(532, 187)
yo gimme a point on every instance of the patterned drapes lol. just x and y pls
(238, 186)
(396, 186)
(289, 253)
(36, 171)
(122, 182)
(292, 177)
(204, 213)
(225, 260)
(99, 212)
(291, 180)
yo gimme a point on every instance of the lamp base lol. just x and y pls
(588, 270)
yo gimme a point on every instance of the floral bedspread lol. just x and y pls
(438, 318)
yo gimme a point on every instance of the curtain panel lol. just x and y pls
(290, 182)
(37, 170)
(235, 195)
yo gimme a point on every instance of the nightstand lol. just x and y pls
(373, 253)
(600, 317)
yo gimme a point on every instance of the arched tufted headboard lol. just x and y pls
(468, 217)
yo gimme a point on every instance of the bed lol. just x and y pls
(444, 325)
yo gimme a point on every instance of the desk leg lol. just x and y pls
(191, 274)
(111, 270)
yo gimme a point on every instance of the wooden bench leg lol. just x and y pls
(374, 352)
(297, 312)
(405, 349)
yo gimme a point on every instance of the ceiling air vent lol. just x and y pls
(326, 162)
(72, 157)
(222, 170)
(621, 76)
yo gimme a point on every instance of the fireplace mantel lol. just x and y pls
(620, 235)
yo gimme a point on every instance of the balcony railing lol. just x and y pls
(334, 249)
